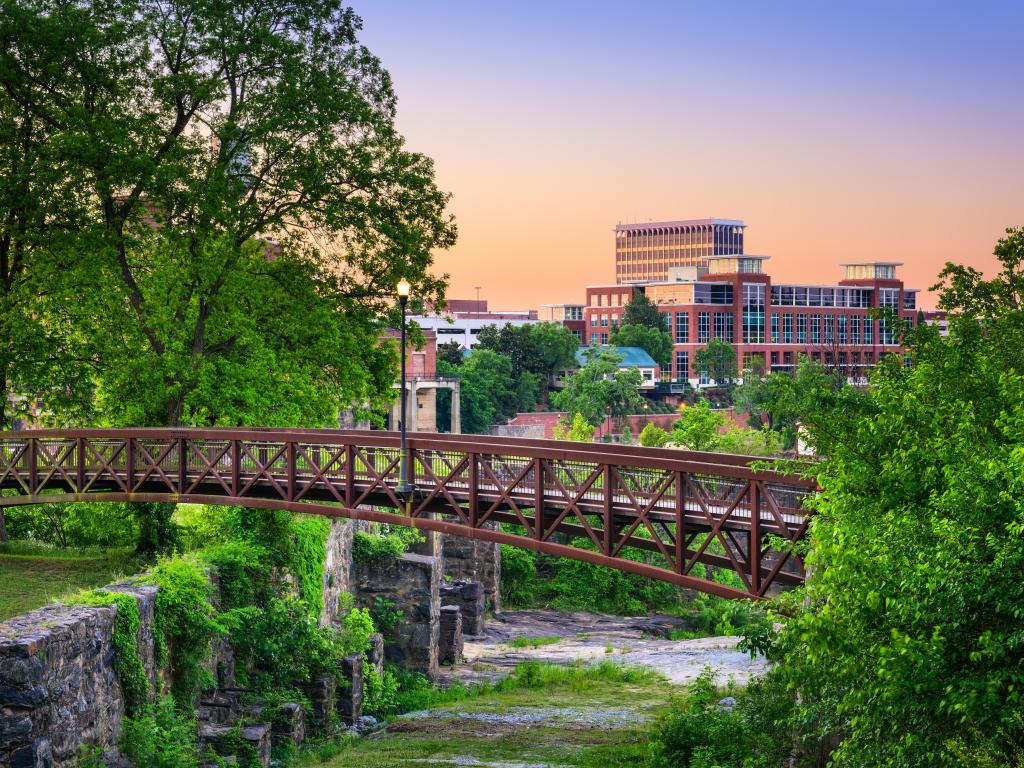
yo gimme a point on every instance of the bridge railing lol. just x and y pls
(660, 512)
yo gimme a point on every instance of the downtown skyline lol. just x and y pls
(837, 134)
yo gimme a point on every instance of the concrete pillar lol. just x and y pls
(411, 406)
(456, 412)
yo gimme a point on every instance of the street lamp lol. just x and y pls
(404, 488)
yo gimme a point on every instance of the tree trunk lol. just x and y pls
(3, 527)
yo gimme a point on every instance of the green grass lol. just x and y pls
(533, 642)
(30, 580)
(446, 737)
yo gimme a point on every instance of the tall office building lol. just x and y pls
(645, 252)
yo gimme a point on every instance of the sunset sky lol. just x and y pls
(837, 131)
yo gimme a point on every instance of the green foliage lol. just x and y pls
(131, 673)
(309, 554)
(699, 732)
(533, 642)
(655, 341)
(518, 574)
(243, 574)
(580, 431)
(391, 541)
(641, 311)
(450, 352)
(582, 586)
(600, 388)
(653, 436)
(783, 399)
(158, 533)
(749, 442)
(910, 645)
(161, 736)
(178, 316)
(697, 427)
(185, 625)
(718, 360)
(487, 389)
(537, 352)
(385, 615)
(93, 524)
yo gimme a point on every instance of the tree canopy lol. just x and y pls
(718, 360)
(657, 343)
(908, 645)
(640, 310)
(538, 350)
(599, 389)
(230, 197)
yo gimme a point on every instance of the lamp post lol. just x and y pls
(404, 488)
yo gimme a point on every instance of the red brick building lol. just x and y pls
(732, 298)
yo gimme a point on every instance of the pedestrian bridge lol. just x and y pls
(653, 512)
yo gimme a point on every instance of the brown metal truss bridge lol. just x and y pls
(652, 512)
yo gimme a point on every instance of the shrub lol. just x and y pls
(518, 575)
(160, 737)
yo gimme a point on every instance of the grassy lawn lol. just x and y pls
(31, 581)
(572, 717)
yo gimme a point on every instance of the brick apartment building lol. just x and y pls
(730, 297)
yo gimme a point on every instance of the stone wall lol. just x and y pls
(410, 583)
(474, 560)
(58, 687)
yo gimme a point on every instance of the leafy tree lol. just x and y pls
(232, 203)
(640, 310)
(539, 349)
(488, 392)
(580, 430)
(718, 359)
(240, 275)
(600, 388)
(779, 399)
(450, 352)
(908, 646)
(653, 436)
(657, 343)
(697, 427)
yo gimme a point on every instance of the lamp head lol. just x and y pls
(404, 289)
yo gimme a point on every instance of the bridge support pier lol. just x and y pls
(410, 583)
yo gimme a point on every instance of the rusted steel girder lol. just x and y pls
(654, 512)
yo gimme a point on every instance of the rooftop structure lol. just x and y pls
(646, 252)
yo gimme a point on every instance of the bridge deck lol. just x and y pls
(658, 512)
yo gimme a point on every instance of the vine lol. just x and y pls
(308, 556)
(131, 673)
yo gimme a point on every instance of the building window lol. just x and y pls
(682, 323)
(869, 326)
(801, 329)
(604, 338)
(815, 329)
(886, 333)
(841, 328)
(682, 366)
(753, 314)
(787, 329)
(855, 329)
(593, 321)
(909, 300)
(723, 326)
(888, 297)
(703, 326)
(775, 329)
(830, 329)
(604, 321)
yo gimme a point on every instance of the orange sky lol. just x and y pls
(833, 136)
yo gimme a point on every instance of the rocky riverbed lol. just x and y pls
(588, 637)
